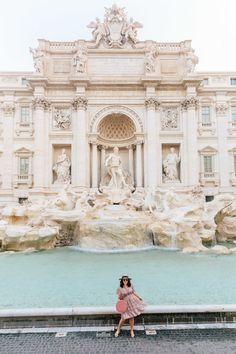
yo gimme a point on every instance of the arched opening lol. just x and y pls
(116, 128)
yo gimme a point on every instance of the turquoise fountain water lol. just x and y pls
(66, 277)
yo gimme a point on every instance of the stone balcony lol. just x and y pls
(20, 179)
(232, 127)
(207, 128)
(24, 128)
(233, 178)
(209, 178)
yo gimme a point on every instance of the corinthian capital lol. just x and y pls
(221, 108)
(189, 102)
(8, 109)
(41, 102)
(152, 102)
(79, 102)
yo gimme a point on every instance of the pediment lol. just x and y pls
(209, 149)
(23, 151)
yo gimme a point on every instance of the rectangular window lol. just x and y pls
(205, 82)
(25, 116)
(208, 165)
(206, 117)
(233, 114)
(24, 166)
(23, 81)
(233, 81)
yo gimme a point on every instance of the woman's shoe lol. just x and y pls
(132, 334)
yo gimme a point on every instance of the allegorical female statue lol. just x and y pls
(170, 166)
(62, 168)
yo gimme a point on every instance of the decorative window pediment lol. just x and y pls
(208, 150)
(23, 152)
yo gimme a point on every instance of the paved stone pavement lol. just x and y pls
(217, 341)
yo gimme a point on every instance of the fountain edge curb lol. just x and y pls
(110, 310)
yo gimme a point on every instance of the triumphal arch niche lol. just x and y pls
(122, 128)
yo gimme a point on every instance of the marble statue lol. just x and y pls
(62, 119)
(150, 201)
(100, 30)
(150, 59)
(38, 60)
(170, 166)
(116, 30)
(62, 168)
(191, 61)
(115, 170)
(79, 60)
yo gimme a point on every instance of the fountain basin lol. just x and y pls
(66, 277)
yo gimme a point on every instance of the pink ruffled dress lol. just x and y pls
(135, 305)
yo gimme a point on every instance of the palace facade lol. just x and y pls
(144, 97)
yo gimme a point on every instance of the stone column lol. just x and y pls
(221, 112)
(40, 104)
(94, 165)
(79, 148)
(131, 160)
(7, 156)
(139, 177)
(103, 156)
(190, 104)
(151, 141)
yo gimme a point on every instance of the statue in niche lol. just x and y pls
(62, 168)
(79, 60)
(170, 166)
(115, 170)
(116, 178)
(63, 120)
(38, 60)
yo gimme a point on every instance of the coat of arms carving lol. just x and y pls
(116, 30)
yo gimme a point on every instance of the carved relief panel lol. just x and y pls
(62, 118)
(170, 118)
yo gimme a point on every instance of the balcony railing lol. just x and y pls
(232, 127)
(233, 178)
(26, 179)
(24, 127)
(207, 127)
(209, 178)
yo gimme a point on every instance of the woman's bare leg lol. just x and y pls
(121, 323)
(131, 323)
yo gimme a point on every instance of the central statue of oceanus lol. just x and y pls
(116, 179)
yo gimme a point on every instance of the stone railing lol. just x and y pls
(207, 127)
(233, 178)
(24, 128)
(61, 46)
(231, 127)
(23, 179)
(209, 177)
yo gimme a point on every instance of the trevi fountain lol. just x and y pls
(117, 157)
(118, 217)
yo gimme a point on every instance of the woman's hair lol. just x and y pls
(121, 281)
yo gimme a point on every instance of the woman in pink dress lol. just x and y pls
(135, 304)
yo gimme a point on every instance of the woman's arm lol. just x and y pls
(137, 296)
